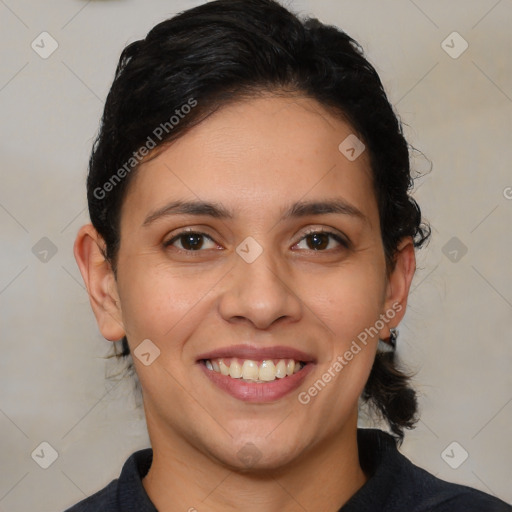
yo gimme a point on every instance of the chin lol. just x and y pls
(253, 454)
(250, 460)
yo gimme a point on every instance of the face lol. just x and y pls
(272, 271)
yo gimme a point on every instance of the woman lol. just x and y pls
(253, 244)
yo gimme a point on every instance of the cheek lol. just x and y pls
(160, 302)
(348, 304)
(347, 300)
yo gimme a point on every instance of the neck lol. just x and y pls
(323, 480)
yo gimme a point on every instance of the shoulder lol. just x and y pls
(396, 484)
(125, 493)
(102, 501)
(423, 492)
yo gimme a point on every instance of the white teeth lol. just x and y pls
(281, 369)
(235, 370)
(251, 370)
(267, 371)
(224, 368)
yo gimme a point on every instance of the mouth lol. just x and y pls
(256, 374)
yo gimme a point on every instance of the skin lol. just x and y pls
(256, 158)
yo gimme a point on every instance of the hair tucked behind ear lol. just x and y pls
(388, 392)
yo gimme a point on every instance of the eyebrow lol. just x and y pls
(215, 210)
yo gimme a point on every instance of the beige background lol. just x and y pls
(457, 331)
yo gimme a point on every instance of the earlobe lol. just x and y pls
(399, 282)
(100, 282)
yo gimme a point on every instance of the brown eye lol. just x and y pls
(317, 241)
(189, 241)
(321, 240)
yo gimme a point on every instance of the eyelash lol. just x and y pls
(344, 243)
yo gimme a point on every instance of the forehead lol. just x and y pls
(254, 154)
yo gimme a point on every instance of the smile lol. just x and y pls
(254, 371)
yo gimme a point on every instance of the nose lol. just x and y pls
(259, 293)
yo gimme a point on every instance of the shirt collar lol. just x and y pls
(382, 463)
(378, 456)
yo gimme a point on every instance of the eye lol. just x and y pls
(320, 240)
(190, 241)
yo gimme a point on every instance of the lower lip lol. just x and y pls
(258, 392)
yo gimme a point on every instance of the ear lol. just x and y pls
(100, 282)
(399, 283)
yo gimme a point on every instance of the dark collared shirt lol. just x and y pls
(395, 485)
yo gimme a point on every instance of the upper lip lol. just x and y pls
(257, 353)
